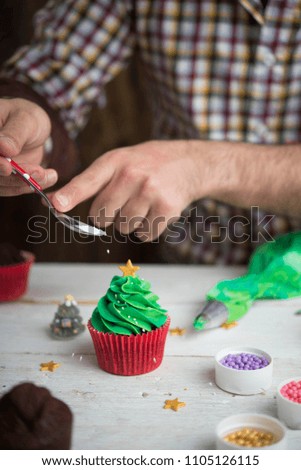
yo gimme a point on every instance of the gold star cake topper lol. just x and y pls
(174, 405)
(129, 269)
(69, 297)
(49, 366)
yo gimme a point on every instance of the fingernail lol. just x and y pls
(62, 200)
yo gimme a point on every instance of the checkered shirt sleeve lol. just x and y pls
(78, 46)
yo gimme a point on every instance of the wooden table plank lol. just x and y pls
(112, 412)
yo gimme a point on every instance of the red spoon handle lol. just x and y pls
(25, 176)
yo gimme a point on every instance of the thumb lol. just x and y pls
(25, 127)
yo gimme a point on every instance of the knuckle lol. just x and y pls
(129, 174)
(24, 114)
(164, 206)
(149, 188)
(119, 153)
(31, 114)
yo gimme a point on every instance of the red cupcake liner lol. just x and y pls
(129, 355)
(14, 278)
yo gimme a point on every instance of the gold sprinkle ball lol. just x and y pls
(250, 437)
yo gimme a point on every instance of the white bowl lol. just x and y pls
(243, 382)
(289, 412)
(245, 420)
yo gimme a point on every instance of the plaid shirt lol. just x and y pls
(214, 69)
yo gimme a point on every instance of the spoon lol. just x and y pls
(71, 223)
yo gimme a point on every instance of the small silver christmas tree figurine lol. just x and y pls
(67, 322)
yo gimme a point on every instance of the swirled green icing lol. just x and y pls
(129, 307)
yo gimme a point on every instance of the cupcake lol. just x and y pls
(128, 326)
(14, 271)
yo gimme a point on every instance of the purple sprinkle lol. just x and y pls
(244, 361)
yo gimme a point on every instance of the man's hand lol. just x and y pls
(145, 187)
(24, 128)
(140, 188)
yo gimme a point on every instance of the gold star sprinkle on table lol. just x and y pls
(174, 405)
(129, 269)
(49, 366)
(177, 331)
(227, 326)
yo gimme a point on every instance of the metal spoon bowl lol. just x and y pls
(70, 222)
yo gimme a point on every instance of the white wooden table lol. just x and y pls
(113, 412)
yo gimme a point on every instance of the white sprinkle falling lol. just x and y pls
(129, 316)
(81, 358)
(155, 360)
(72, 354)
(108, 251)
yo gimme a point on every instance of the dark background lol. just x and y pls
(124, 121)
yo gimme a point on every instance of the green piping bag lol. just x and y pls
(274, 272)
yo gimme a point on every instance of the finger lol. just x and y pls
(150, 229)
(33, 156)
(23, 127)
(15, 190)
(45, 177)
(83, 186)
(107, 205)
(46, 180)
(131, 216)
(154, 224)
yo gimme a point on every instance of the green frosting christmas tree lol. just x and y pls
(129, 307)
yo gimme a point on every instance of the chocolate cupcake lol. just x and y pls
(128, 327)
(14, 271)
(32, 419)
